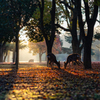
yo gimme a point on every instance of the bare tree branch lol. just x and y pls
(66, 4)
(57, 25)
(98, 21)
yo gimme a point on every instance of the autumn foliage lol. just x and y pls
(41, 48)
(40, 82)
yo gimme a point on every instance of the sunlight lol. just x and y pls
(23, 35)
(44, 83)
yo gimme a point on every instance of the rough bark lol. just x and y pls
(87, 54)
(87, 39)
(87, 46)
(1, 50)
(76, 47)
(1, 54)
(75, 41)
(49, 42)
(17, 52)
(52, 23)
(5, 56)
(49, 47)
(14, 55)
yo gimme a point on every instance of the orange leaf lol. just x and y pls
(44, 97)
(56, 85)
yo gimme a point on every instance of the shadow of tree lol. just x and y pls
(6, 81)
(44, 83)
(78, 86)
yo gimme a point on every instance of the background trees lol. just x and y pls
(6, 32)
(37, 48)
(11, 47)
(40, 47)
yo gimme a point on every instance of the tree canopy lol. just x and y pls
(34, 28)
(16, 14)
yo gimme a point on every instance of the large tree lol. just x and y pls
(87, 37)
(69, 9)
(6, 32)
(19, 12)
(43, 23)
(49, 40)
(77, 8)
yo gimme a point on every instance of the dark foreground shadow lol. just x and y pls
(6, 81)
(79, 87)
(46, 84)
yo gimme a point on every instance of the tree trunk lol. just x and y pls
(87, 48)
(49, 48)
(87, 55)
(50, 43)
(8, 57)
(40, 57)
(5, 56)
(75, 47)
(88, 38)
(75, 42)
(1, 54)
(17, 52)
(14, 55)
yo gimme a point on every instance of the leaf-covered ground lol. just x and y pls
(42, 83)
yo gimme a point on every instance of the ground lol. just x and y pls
(39, 82)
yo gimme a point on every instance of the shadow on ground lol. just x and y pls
(6, 81)
(46, 84)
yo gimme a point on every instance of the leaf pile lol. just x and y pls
(33, 83)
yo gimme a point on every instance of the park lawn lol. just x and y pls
(43, 83)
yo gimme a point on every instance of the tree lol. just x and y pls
(91, 12)
(37, 48)
(40, 47)
(19, 12)
(11, 47)
(69, 8)
(49, 37)
(43, 24)
(87, 38)
(6, 32)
